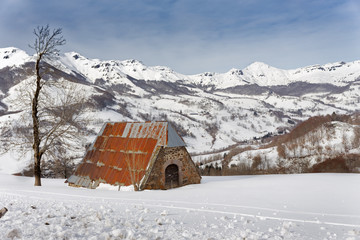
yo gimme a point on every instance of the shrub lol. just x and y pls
(256, 162)
(281, 150)
(337, 164)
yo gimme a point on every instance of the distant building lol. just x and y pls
(148, 155)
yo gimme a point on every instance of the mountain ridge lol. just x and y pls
(262, 74)
(211, 111)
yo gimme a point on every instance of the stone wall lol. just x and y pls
(188, 173)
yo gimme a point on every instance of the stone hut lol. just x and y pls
(148, 155)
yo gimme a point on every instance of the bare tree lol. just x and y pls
(52, 112)
(45, 46)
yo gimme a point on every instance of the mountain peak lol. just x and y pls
(258, 66)
(132, 62)
(12, 56)
(75, 55)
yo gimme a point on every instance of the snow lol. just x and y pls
(339, 73)
(95, 69)
(14, 162)
(325, 142)
(11, 56)
(307, 206)
(210, 120)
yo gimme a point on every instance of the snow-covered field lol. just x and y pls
(307, 206)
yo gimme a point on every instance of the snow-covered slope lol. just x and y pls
(339, 74)
(318, 144)
(97, 69)
(259, 73)
(211, 111)
(256, 207)
(12, 57)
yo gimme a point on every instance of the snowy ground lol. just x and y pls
(307, 206)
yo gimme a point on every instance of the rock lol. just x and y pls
(3, 211)
(15, 233)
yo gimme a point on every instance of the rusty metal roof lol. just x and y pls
(122, 152)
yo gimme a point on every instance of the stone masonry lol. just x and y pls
(188, 173)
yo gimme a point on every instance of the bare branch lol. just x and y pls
(47, 41)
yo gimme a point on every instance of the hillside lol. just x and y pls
(328, 143)
(212, 111)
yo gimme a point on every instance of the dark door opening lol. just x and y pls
(171, 176)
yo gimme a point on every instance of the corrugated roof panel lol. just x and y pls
(110, 144)
(99, 141)
(118, 141)
(134, 132)
(106, 144)
(80, 181)
(82, 169)
(117, 176)
(102, 171)
(111, 160)
(108, 158)
(108, 129)
(126, 130)
(124, 178)
(98, 156)
(117, 158)
(121, 164)
(98, 173)
(107, 174)
(140, 130)
(120, 129)
(115, 129)
(156, 131)
(147, 130)
(95, 156)
(105, 160)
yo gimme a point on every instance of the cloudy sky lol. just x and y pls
(193, 36)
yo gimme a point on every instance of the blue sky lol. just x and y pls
(193, 36)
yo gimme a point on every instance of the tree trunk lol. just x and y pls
(37, 173)
(35, 118)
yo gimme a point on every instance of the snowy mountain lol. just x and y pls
(12, 57)
(338, 74)
(212, 111)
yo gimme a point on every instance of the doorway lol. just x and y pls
(172, 176)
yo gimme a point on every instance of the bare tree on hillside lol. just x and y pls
(45, 46)
(52, 109)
